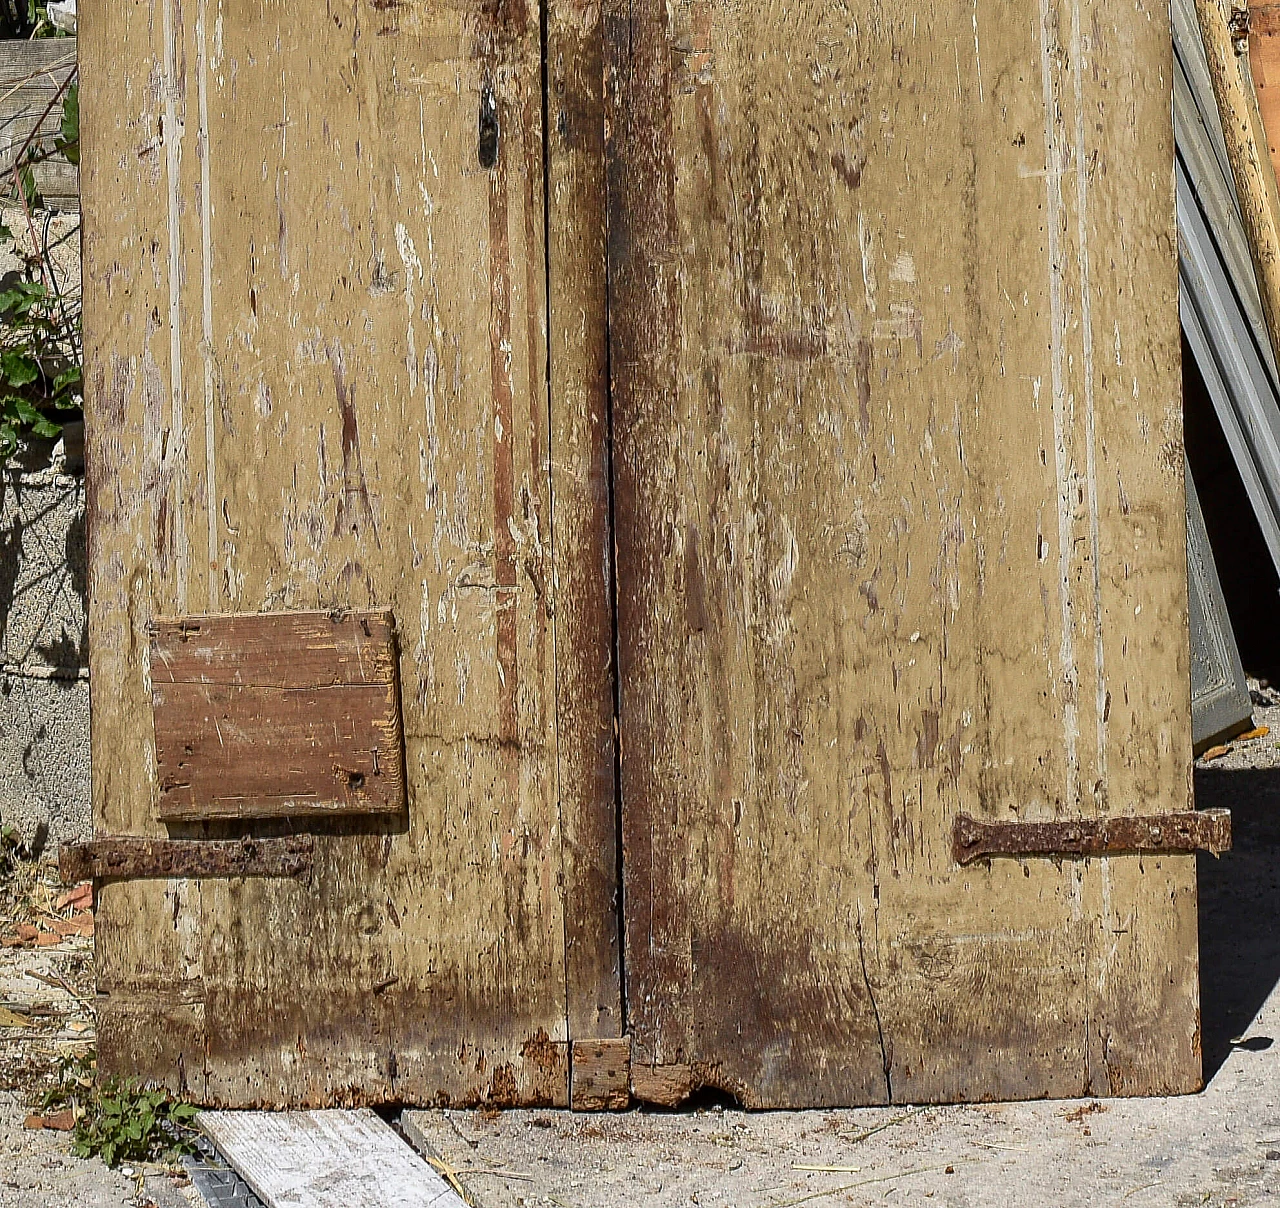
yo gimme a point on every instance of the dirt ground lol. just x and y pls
(1219, 1148)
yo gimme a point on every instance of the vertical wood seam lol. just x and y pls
(553, 578)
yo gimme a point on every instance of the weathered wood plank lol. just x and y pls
(1244, 135)
(326, 1159)
(1264, 68)
(276, 715)
(315, 334)
(581, 537)
(31, 72)
(275, 650)
(38, 62)
(900, 532)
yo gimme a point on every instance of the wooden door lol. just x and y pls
(883, 301)
(317, 328)
(899, 506)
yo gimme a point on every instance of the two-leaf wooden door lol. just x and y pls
(761, 424)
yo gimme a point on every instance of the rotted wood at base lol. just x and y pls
(276, 715)
(662, 1085)
(600, 1075)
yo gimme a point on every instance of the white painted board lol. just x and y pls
(326, 1159)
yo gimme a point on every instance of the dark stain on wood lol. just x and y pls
(489, 129)
(354, 484)
(581, 537)
(504, 541)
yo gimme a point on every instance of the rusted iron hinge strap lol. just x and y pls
(140, 859)
(1195, 830)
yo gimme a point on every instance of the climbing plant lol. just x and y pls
(40, 337)
(22, 19)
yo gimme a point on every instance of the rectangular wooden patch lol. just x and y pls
(276, 715)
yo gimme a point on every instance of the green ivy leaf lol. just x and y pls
(69, 143)
(18, 368)
(30, 194)
(19, 299)
(68, 379)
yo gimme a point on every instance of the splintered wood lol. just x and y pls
(276, 715)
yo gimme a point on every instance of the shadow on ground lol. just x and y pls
(1239, 908)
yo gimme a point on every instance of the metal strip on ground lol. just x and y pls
(326, 1159)
(219, 1186)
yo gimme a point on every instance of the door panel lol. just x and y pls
(316, 293)
(899, 500)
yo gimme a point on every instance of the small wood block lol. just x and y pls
(665, 1085)
(325, 1159)
(277, 715)
(601, 1075)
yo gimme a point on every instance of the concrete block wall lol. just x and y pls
(44, 672)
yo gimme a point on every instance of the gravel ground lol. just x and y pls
(46, 984)
(1260, 752)
(38, 1171)
(1219, 1148)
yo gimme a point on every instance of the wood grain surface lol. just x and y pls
(899, 509)
(31, 74)
(316, 348)
(326, 1159)
(1264, 68)
(1223, 28)
(889, 405)
(276, 715)
(581, 535)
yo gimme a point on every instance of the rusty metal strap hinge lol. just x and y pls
(1195, 830)
(141, 859)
